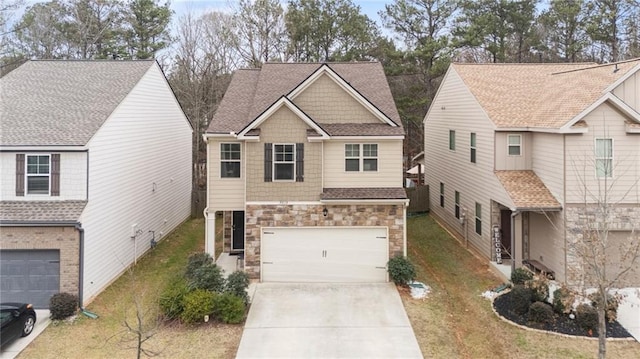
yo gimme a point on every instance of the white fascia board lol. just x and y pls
(622, 79)
(365, 201)
(283, 101)
(326, 69)
(611, 98)
(44, 148)
(283, 203)
(630, 129)
(367, 138)
(542, 130)
(206, 136)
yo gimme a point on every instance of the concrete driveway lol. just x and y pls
(319, 320)
(14, 348)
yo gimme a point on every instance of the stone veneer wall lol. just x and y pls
(65, 239)
(227, 227)
(577, 218)
(258, 216)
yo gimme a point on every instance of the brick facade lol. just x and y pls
(258, 216)
(65, 239)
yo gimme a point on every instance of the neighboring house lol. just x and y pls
(520, 150)
(95, 162)
(305, 164)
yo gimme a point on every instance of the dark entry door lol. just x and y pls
(505, 226)
(238, 231)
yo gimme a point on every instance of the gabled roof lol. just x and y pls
(252, 92)
(527, 191)
(545, 96)
(41, 211)
(63, 103)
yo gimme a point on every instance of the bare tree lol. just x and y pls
(261, 31)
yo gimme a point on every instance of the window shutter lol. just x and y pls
(20, 174)
(299, 162)
(268, 160)
(55, 174)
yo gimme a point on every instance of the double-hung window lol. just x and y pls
(230, 160)
(356, 160)
(604, 157)
(441, 194)
(452, 140)
(472, 147)
(457, 205)
(38, 174)
(284, 162)
(514, 145)
(478, 218)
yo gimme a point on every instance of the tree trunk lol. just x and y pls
(602, 327)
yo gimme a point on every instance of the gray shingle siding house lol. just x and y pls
(87, 176)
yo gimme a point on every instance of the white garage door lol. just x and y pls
(324, 254)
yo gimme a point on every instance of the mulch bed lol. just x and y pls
(561, 323)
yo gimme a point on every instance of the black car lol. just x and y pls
(18, 320)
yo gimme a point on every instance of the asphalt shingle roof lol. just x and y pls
(251, 92)
(41, 211)
(63, 102)
(363, 193)
(526, 190)
(538, 95)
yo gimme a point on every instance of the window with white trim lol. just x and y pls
(457, 204)
(514, 145)
(356, 160)
(478, 218)
(604, 157)
(441, 194)
(38, 174)
(472, 147)
(230, 160)
(284, 162)
(452, 140)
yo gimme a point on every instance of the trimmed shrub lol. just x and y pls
(63, 305)
(171, 299)
(563, 300)
(197, 304)
(237, 284)
(195, 262)
(520, 276)
(208, 277)
(587, 317)
(611, 310)
(540, 312)
(229, 308)
(539, 286)
(401, 270)
(521, 299)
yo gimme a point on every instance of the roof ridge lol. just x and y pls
(597, 66)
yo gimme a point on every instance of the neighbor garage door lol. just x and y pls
(31, 276)
(324, 254)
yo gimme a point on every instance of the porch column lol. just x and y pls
(210, 234)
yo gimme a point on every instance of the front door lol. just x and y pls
(237, 242)
(505, 226)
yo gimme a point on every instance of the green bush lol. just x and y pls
(63, 305)
(208, 277)
(520, 276)
(540, 312)
(521, 299)
(587, 317)
(195, 262)
(237, 284)
(539, 286)
(172, 298)
(611, 310)
(563, 300)
(197, 304)
(401, 270)
(229, 308)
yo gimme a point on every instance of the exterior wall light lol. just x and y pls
(325, 211)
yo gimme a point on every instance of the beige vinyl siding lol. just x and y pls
(629, 91)
(283, 126)
(73, 177)
(326, 102)
(604, 122)
(455, 108)
(546, 240)
(506, 162)
(225, 194)
(139, 173)
(548, 162)
(389, 173)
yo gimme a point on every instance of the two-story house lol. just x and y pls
(519, 155)
(95, 167)
(305, 165)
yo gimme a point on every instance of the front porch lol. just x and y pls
(503, 270)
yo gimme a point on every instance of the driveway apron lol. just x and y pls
(326, 320)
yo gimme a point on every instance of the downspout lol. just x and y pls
(78, 226)
(404, 229)
(513, 239)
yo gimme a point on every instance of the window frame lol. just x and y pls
(478, 217)
(472, 147)
(27, 175)
(510, 145)
(452, 140)
(232, 160)
(360, 156)
(275, 163)
(456, 205)
(609, 173)
(441, 194)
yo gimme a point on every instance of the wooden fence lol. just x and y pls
(418, 199)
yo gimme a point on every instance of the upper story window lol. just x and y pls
(514, 144)
(452, 140)
(284, 162)
(230, 160)
(38, 174)
(365, 160)
(472, 147)
(604, 157)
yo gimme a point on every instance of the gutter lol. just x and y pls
(513, 239)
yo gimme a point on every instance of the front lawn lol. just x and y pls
(106, 336)
(454, 321)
